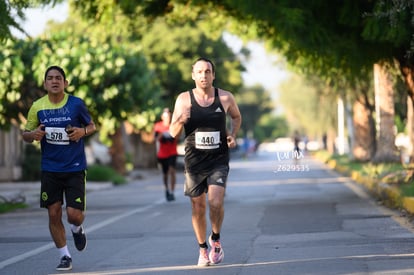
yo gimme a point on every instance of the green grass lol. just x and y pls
(343, 160)
(392, 173)
(407, 190)
(104, 173)
(364, 168)
(7, 206)
(322, 155)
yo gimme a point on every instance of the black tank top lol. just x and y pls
(205, 136)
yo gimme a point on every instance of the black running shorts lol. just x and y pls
(197, 183)
(166, 163)
(55, 185)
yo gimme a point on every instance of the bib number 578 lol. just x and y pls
(56, 136)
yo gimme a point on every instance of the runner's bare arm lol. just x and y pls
(181, 114)
(37, 134)
(236, 119)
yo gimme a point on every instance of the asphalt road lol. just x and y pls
(277, 221)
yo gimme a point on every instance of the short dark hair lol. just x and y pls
(57, 68)
(206, 60)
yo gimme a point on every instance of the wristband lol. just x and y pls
(86, 130)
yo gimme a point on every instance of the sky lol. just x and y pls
(262, 68)
(36, 19)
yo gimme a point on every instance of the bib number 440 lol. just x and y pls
(207, 140)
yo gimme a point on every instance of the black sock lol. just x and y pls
(215, 236)
(203, 245)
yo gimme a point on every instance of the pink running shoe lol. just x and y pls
(216, 254)
(203, 259)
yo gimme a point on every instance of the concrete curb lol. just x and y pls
(408, 204)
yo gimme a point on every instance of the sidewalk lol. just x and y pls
(29, 192)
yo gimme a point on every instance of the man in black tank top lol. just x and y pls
(202, 113)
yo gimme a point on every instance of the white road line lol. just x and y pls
(90, 229)
(26, 255)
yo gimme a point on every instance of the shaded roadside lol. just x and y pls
(389, 195)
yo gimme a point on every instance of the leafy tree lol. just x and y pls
(18, 86)
(113, 80)
(172, 48)
(254, 102)
(333, 39)
(11, 12)
(170, 45)
(327, 34)
(106, 67)
(270, 127)
(392, 23)
(306, 103)
(318, 37)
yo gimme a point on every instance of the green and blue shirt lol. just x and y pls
(59, 154)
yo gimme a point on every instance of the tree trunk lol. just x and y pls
(144, 153)
(350, 128)
(11, 149)
(410, 127)
(364, 134)
(384, 106)
(407, 71)
(117, 151)
(330, 144)
(410, 131)
(341, 140)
